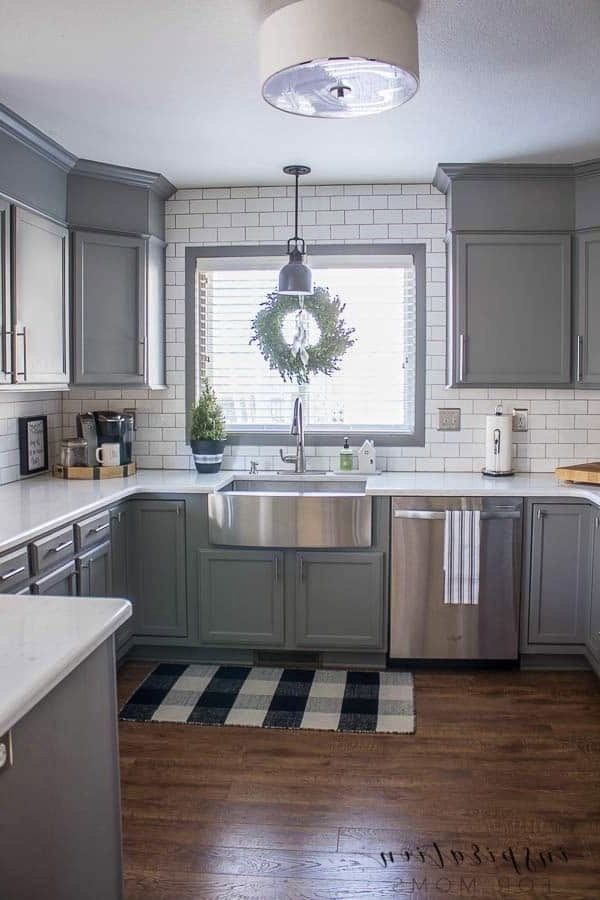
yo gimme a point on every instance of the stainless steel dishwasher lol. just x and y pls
(422, 625)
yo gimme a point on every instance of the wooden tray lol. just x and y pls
(587, 473)
(93, 473)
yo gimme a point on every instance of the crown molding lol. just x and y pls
(589, 167)
(152, 181)
(26, 133)
(446, 173)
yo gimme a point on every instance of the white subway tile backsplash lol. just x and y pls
(564, 425)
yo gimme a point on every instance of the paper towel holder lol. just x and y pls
(497, 447)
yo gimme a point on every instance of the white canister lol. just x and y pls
(498, 444)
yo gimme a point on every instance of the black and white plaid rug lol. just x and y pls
(323, 699)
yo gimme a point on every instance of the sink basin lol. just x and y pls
(295, 512)
(301, 486)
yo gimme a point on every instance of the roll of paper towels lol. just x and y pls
(498, 445)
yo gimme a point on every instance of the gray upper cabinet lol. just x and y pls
(559, 575)
(40, 287)
(587, 308)
(510, 309)
(5, 295)
(158, 578)
(241, 597)
(340, 600)
(119, 310)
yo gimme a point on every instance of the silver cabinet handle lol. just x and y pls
(541, 513)
(301, 568)
(100, 528)
(461, 357)
(12, 573)
(498, 513)
(60, 547)
(22, 334)
(276, 561)
(6, 337)
(142, 357)
(579, 357)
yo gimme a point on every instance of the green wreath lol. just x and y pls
(324, 356)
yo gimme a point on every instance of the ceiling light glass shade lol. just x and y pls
(295, 277)
(339, 58)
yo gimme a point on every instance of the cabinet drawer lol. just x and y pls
(59, 583)
(92, 530)
(14, 570)
(48, 552)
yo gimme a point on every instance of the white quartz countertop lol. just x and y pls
(33, 506)
(43, 639)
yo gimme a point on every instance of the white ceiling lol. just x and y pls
(172, 86)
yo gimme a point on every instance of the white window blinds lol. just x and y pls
(374, 389)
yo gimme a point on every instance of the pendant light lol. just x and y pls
(339, 58)
(296, 277)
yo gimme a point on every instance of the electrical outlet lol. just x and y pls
(520, 420)
(449, 419)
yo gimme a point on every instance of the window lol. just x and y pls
(378, 389)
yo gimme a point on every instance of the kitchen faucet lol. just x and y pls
(298, 430)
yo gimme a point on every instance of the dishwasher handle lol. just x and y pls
(440, 514)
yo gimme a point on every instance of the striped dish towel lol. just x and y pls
(461, 557)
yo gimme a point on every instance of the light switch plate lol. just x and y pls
(520, 420)
(449, 419)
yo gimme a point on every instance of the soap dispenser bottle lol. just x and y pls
(346, 457)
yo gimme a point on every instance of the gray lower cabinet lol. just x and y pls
(94, 572)
(40, 299)
(559, 575)
(587, 309)
(510, 309)
(158, 575)
(592, 643)
(340, 600)
(5, 295)
(119, 539)
(241, 597)
(60, 583)
(118, 311)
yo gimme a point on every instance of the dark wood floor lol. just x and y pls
(500, 759)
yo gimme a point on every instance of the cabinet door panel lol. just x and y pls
(593, 635)
(109, 303)
(41, 293)
(5, 302)
(119, 539)
(339, 600)
(159, 583)
(241, 598)
(512, 297)
(587, 348)
(94, 572)
(560, 574)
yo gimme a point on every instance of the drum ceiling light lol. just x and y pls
(339, 58)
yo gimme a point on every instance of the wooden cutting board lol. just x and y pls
(586, 473)
(89, 473)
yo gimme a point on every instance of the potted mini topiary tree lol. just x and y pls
(207, 432)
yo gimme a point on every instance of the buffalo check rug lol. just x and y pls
(321, 699)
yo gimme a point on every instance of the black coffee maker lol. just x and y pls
(116, 428)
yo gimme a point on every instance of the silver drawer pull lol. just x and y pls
(100, 528)
(60, 547)
(12, 573)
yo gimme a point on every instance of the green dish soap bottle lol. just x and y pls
(346, 459)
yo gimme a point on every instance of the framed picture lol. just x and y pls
(33, 444)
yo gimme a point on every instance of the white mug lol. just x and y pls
(109, 454)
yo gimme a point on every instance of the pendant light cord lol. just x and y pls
(296, 211)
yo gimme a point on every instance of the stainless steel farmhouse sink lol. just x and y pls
(297, 512)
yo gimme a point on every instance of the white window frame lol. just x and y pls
(330, 255)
